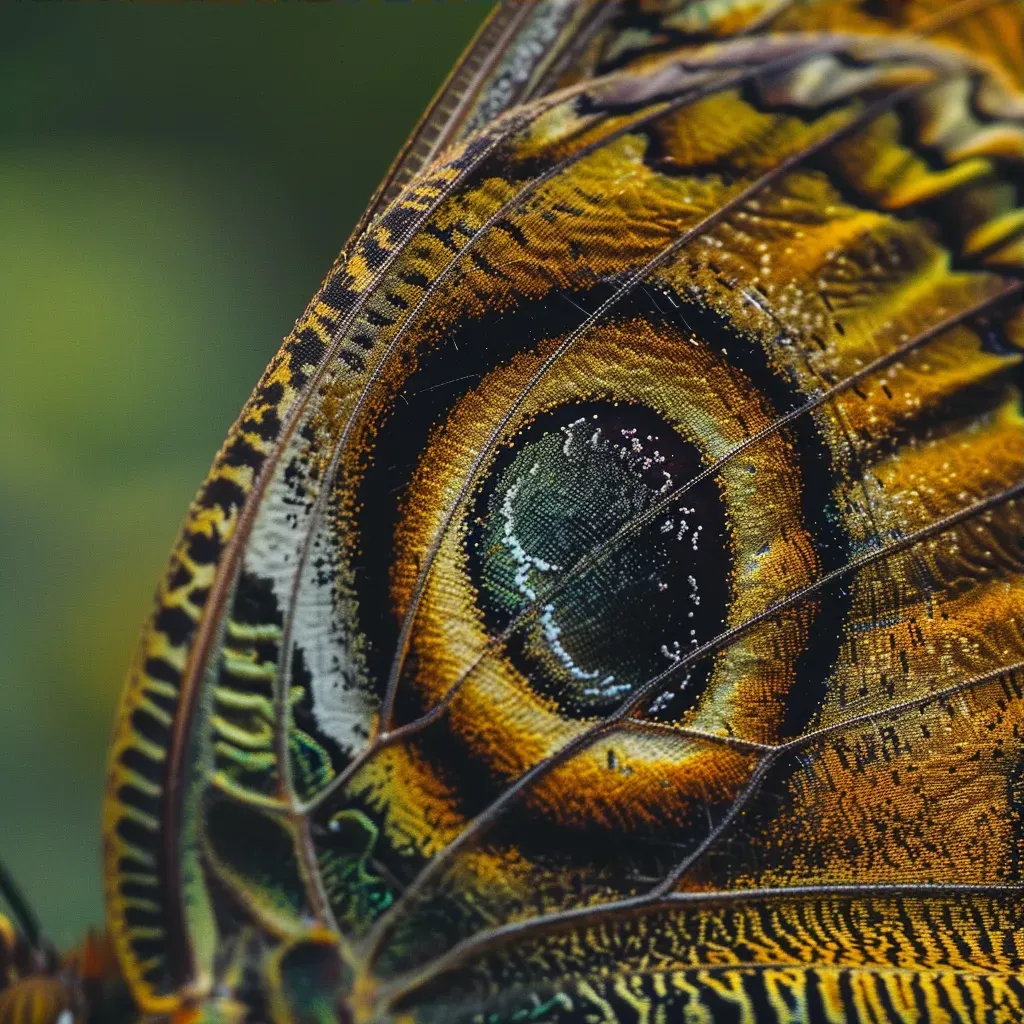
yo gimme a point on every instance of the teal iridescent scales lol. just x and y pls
(610, 605)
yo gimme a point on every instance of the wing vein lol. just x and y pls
(638, 700)
(794, 160)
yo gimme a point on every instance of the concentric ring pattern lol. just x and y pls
(610, 606)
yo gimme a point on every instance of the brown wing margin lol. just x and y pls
(504, 65)
(525, 47)
(145, 890)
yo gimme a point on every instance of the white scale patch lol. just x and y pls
(322, 628)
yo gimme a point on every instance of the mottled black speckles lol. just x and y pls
(224, 493)
(239, 452)
(414, 278)
(399, 221)
(352, 360)
(265, 425)
(372, 252)
(255, 603)
(377, 319)
(446, 236)
(337, 292)
(204, 548)
(513, 231)
(307, 351)
(270, 394)
(179, 576)
(482, 263)
(176, 623)
(508, 328)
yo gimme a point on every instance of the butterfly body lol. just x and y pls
(610, 604)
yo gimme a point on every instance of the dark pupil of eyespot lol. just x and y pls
(572, 481)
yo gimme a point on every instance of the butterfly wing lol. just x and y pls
(610, 601)
(156, 898)
(520, 52)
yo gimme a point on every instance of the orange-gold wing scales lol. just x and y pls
(609, 607)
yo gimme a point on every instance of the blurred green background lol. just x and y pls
(174, 183)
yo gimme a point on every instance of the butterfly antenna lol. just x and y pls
(23, 914)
